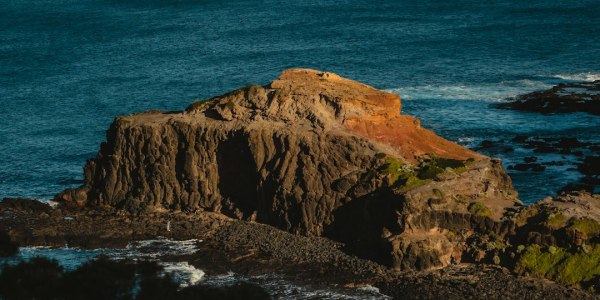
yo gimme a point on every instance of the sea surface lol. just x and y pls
(67, 68)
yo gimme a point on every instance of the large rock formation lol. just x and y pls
(311, 153)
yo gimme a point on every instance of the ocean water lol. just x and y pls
(67, 68)
(186, 274)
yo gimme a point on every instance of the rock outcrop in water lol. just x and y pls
(311, 153)
(563, 98)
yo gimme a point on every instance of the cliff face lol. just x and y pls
(311, 153)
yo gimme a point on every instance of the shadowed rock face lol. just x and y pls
(311, 153)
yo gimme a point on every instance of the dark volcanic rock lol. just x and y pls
(248, 248)
(590, 166)
(7, 246)
(563, 98)
(102, 279)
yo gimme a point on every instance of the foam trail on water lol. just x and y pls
(482, 92)
(586, 76)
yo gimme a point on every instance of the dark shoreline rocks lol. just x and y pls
(580, 157)
(101, 279)
(563, 98)
(255, 249)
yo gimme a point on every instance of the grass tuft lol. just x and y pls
(588, 226)
(479, 209)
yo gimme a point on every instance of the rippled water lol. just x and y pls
(68, 67)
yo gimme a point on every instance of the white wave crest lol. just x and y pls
(586, 76)
(183, 273)
(160, 247)
(486, 92)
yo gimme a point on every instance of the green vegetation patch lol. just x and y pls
(449, 163)
(396, 168)
(434, 166)
(479, 209)
(402, 175)
(560, 265)
(412, 182)
(556, 221)
(586, 225)
(525, 214)
(406, 177)
(430, 172)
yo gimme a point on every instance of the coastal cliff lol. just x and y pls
(311, 153)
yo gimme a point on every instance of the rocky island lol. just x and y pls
(319, 175)
(562, 98)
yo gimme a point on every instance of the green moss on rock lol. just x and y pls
(479, 209)
(405, 177)
(430, 172)
(525, 214)
(395, 168)
(560, 265)
(556, 221)
(587, 226)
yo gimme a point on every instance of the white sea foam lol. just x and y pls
(160, 247)
(52, 203)
(281, 288)
(183, 273)
(71, 258)
(586, 76)
(486, 92)
(371, 289)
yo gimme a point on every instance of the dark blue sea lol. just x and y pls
(67, 68)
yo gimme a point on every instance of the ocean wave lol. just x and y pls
(160, 247)
(585, 76)
(486, 92)
(183, 273)
(71, 257)
(281, 288)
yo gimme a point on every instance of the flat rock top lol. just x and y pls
(350, 92)
(305, 100)
(576, 204)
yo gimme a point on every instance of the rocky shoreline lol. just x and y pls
(249, 248)
(323, 180)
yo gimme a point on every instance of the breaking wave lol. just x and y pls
(483, 92)
(586, 76)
